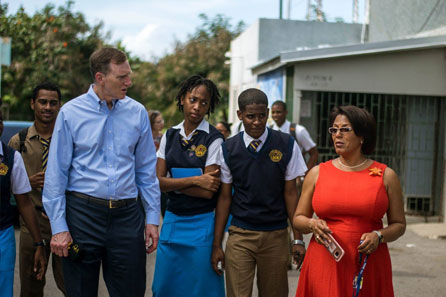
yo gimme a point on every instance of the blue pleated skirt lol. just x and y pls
(183, 260)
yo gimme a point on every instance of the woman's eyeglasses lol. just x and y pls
(334, 131)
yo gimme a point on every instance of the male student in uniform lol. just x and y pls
(261, 165)
(33, 143)
(298, 132)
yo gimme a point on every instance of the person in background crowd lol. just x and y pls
(224, 128)
(14, 179)
(101, 159)
(261, 165)
(33, 144)
(189, 153)
(157, 124)
(299, 133)
(350, 196)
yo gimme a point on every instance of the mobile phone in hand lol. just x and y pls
(334, 248)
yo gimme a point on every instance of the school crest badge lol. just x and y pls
(275, 155)
(3, 169)
(200, 151)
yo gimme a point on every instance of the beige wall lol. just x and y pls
(421, 72)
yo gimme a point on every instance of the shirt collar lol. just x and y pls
(93, 97)
(203, 126)
(32, 131)
(247, 139)
(284, 128)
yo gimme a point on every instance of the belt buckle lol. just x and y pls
(110, 204)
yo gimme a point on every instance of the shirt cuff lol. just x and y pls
(59, 226)
(152, 218)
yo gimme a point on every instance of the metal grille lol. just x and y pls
(390, 112)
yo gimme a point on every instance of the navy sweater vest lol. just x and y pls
(7, 212)
(192, 156)
(258, 180)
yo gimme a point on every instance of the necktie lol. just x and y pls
(45, 143)
(185, 142)
(254, 145)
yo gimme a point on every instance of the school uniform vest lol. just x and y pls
(7, 212)
(258, 180)
(193, 155)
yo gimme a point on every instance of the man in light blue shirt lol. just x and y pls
(102, 158)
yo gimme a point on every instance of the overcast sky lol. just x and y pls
(148, 28)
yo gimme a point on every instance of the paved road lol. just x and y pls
(418, 269)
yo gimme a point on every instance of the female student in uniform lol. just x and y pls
(187, 170)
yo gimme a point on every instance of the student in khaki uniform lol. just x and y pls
(33, 144)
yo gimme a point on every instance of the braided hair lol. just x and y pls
(195, 81)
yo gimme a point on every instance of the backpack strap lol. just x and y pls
(22, 138)
(293, 131)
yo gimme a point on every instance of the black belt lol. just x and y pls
(103, 202)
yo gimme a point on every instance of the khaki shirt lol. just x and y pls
(33, 164)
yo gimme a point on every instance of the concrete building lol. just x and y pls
(399, 74)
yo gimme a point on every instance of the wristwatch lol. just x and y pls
(299, 242)
(380, 236)
(40, 243)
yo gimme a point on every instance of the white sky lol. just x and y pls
(148, 28)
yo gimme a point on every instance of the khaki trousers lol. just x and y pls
(29, 285)
(266, 250)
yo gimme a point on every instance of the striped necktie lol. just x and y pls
(185, 142)
(254, 145)
(46, 144)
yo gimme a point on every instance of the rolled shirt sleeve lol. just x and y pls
(19, 177)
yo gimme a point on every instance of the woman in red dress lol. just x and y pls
(350, 195)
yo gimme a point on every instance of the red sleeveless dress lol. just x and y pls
(352, 203)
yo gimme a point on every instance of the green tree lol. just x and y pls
(53, 44)
(202, 53)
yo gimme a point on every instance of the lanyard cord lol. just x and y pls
(359, 277)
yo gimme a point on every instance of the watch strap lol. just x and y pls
(380, 236)
(298, 242)
(40, 243)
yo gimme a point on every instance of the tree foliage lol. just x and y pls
(53, 44)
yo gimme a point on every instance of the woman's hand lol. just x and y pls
(209, 181)
(320, 230)
(370, 242)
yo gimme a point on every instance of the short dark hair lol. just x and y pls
(281, 103)
(195, 81)
(363, 124)
(153, 114)
(49, 86)
(100, 60)
(251, 96)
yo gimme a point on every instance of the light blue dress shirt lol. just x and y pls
(102, 152)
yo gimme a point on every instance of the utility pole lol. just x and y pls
(280, 9)
(355, 13)
(319, 15)
(289, 10)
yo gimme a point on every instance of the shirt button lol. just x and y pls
(110, 131)
(109, 166)
(110, 147)
(112, 180)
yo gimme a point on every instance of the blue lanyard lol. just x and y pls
(357, 282)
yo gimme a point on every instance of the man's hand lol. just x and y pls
(152, 237)
(209, 181)
(37, 180)
(218, 256)
(40, 263)
(60, 242)
(298, 255)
